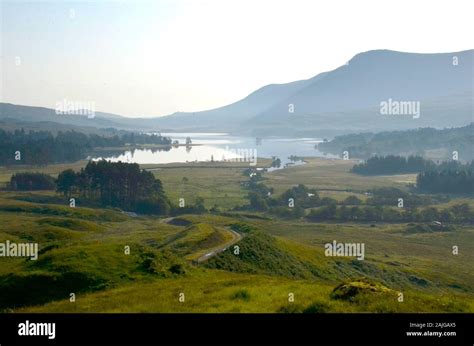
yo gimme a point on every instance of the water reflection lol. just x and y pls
(209, 147)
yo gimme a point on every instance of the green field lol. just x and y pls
(280, 266)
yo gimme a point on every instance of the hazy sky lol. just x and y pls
(150, 58)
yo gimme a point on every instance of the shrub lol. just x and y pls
(316, 308)
(352, 200)
(291, 309)
(177, 269)
(242, 295)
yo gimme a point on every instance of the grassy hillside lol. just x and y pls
(84, 251)
(260, 278)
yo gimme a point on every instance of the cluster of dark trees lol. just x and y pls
(276, 162)
(43, 147)
(143, 138)
(446, 181)
(392, 164)
(31, 181)
(451, 177)
(109, 184)
(295, 158)
(116, 184)
(365, 145)
(459, 213)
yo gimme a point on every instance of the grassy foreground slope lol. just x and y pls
(83, 253)
(216, 291)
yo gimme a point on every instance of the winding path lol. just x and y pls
(236, 238)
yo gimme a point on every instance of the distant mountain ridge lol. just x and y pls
(348, 98)
(375, 76)
(344, 100)
(255, 103)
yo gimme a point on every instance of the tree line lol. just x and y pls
(458, 213)
(392, 164)
(43, 147)
(261, 198)
(365, 145)
(451, 177)
(385, 204)
(446, 181)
